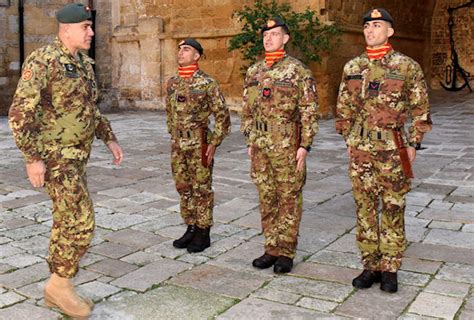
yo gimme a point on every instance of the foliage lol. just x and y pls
(308, 36)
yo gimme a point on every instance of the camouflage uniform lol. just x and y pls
(54, 119)
(278, 100)
(376, 97)
(189, 104)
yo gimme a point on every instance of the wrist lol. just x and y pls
(307, 148)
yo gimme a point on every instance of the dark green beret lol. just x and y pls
(378, 14)
(274, 23)
(74, 13)
(193, 43)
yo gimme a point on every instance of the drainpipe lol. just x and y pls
(21, 31)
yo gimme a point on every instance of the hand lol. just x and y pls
(36, 171)
(411, 154)
(117, 152)
(349, 151)
(301, 154)
(249, 151)
(211, 150)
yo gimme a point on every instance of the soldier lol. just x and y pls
(54, 118)
(192, 96)
(279, 121)
(380, 89)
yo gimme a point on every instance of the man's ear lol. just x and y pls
(197, 56)
(286, 38)
(391, 31)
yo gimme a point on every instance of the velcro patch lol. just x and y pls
(395, 76)
(354, 77)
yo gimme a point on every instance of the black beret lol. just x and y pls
(74, 13)
(378, 14)
(274, 23)
(193, 43)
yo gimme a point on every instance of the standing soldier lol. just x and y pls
(279, 121)
(380, 89)
(54, 118)
(192, 96)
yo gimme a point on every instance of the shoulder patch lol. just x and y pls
(27, 75)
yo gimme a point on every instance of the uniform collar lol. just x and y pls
(60, 45)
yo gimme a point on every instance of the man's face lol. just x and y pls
(80, 34)
(377, 32)
(187, 55)
(274, 39)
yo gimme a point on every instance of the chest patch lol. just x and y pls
(181, 98)
(71, 70)
(267, 92)
(374, 88)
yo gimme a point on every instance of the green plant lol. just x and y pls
(308, 36)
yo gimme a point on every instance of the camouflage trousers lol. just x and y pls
(73, 215)
(281, 200)
(379, 178)
(194, 185)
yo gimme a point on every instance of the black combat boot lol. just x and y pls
(200, 241)
(265, 261)
(283, 265)
(366, 279)
(389, 282)
(183, 242)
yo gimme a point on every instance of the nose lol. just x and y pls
(91, 32)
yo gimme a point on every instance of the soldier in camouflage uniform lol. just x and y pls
(279, 121)
(380, 89)
(54, 118)
(192, 96)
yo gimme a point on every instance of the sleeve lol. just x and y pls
(221, 114)
(168, 107)
(419, 105)
(103, 129)
(344, 108)
(25, 111)
(308, 109)
(246, 123)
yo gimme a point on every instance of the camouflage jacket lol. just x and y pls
(189, 104)
(283, 94)
(54, 108)
(380, 95)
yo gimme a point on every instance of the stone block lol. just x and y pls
(449, 288)
(112, 267)
(434, 305)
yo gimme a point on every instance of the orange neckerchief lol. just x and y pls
(271, 57)
(187, 72)
(379, 52)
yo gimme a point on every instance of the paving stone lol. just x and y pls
(144, 197)
(453, 238)
(90, 258)
(141, 258)
(313, 288)
(25, 311)
(317, 304)
(273, 294)
(341, 259)
(153, 225)
(412, 316)
(468, 227)
(119, 221)
(84, 276)
(448, 288)
(166, 250)
(412, 221)
(134, 238)
(267, 310)
(112, 267)
(4, 240)
(445, 225)
(470, 303)
(456, 272)
(112, 250)
(447, 215)
(415, 233)
(440, 253)
(26, 232)
(249, 220)
(435, 305)
(233, 210)
(96, 290)
(21, 260)
(150, 275)
(16, 223)
(9, 298)
(219, 280)
(167, 302)
(419, 265)
(5, 268)
(466, 315)
(325, 272)
(34, 290)
(22, 277)
(374, 303)
(413, 278)
(8, 250)
(119, 192)
(192, 258)
(37, 245)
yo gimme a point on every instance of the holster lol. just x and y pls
(402, 150)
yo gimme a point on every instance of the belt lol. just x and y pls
(365, 133)
(187, 134)
(275, 127)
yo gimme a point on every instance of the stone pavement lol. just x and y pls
(133, 272)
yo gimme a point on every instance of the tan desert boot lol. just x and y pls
(59, 292)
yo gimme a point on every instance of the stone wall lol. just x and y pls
(463, 38)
